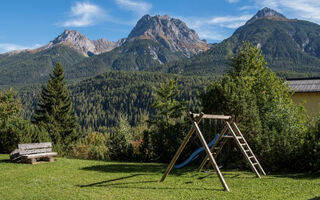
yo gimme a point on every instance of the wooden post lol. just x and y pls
(182, 146)
(209, 154)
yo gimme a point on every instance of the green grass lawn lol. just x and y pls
(85, 179)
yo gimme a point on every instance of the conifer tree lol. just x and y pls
(167, 125)
(54, 111)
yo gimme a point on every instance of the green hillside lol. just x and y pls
(138, 55)
(290, 46)
(26, 67)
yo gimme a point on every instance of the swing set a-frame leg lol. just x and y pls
(182, 146)
(211, 158)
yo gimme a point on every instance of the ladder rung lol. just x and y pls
(243, 144)
(229, 136)
(217, 147)
(247, 150)
(254, 163)
(251, 157)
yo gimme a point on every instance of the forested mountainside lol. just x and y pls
(29, 67)
(99, 101)
(137, 55)
(289, 45)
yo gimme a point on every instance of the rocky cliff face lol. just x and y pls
(170, 32)
(267, 13)
(81, 43)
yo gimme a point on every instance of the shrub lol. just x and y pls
(311, 147)
(91, 147)
(119, 142)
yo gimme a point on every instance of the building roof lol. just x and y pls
(304, 85)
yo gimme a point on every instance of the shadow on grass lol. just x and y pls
(5, 161)
(136, 186)
(108, 181)
(135, 168)
(298, 176)
(116, 183)
(139, 185)
(315, 198)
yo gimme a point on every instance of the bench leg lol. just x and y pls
(51, 159)
(32, 161)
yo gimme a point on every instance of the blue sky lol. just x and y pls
(32, 23)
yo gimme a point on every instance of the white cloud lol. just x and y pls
(301, 9)
(215, 28)
(140, 7)
(233, 1)
(84, 14)
(218, 21)
(229, 21)
(216, 35)
(6, 47)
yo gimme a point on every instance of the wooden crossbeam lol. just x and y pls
(205, 116)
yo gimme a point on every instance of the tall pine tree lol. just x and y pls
(54, 111)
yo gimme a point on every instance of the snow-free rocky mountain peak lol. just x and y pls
(81, 43)
(267, 13)
(170, 32)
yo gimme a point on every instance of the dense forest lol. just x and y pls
(99, 101)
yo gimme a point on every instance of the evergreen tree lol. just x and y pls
(54, 111)
(167, 126)
(169, 109)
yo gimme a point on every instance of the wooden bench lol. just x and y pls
(33, 152)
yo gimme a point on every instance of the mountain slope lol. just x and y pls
(288, 46)
(27, 67)
(137, 55)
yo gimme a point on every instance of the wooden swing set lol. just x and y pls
(230, 131)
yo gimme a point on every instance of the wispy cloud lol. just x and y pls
(84, 14)
(302, 9)
(6, 47)
(220, 21)
(209, 34)
(139, 7)
(215, 28)
(229, 21)
(233, 1)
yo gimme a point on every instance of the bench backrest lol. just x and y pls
(35, 148)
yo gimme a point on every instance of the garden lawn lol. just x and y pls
(86, 179)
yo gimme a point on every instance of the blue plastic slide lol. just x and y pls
(196, 153)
